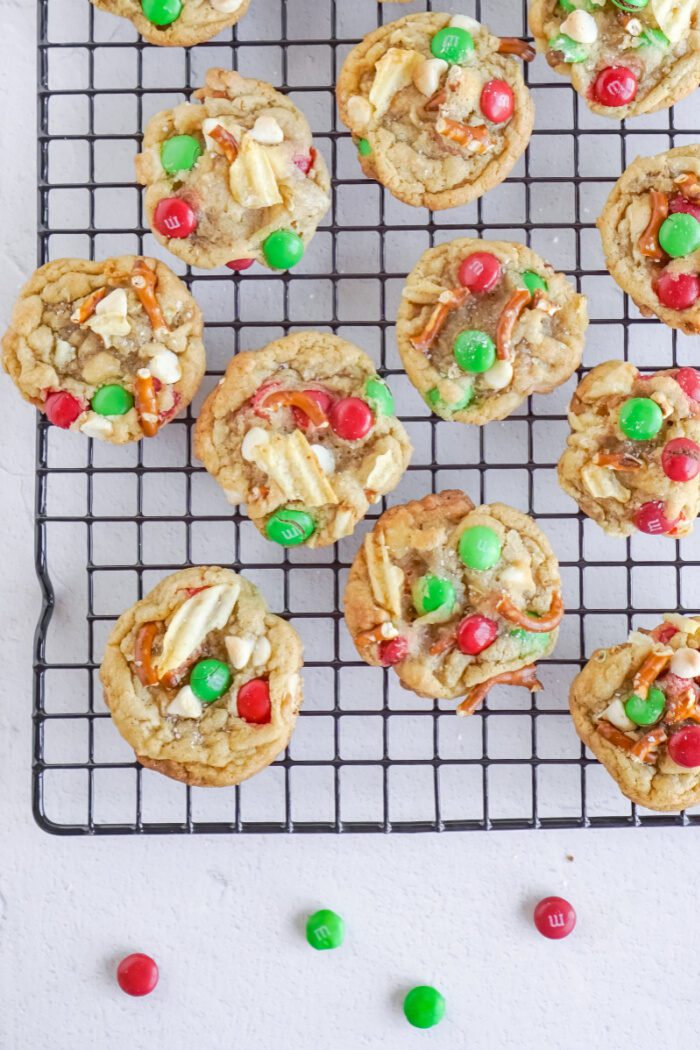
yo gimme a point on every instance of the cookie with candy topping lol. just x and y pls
(202, 680)
(177, 23)
(650, 228)
(623, 57)
(635, 706)
(234, 177)
(437, 106)
(456, 598)
(632, 460)
(484, 324)
(303, 432)
(113, 349)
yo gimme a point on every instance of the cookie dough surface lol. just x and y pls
(422, 538)
(419, 122)
(81, 327)
(638, 756)
(272, 457)
(257, 172)
(199, 614)
(198, 20)
(612, 477)
(649, 191)
(535, 353)
(659, 44)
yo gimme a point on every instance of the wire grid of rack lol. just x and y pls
(366, 755)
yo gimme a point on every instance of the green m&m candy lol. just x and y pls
(430, 593)
(452, 44)
(474, 351)
(424, 1007)
(533, 282)
(479, 548)
(325, 929)
(112, 400)
(283, 249)
(631, 6)
(210, 679)
(680, 235)
(379, 397)
(645, 712)
(640, 418)
(290, 527)
(436, 402)
(572, 50)
(653, 38)
(531, 641)
(364, 148)
(162, 12)
(180, 153)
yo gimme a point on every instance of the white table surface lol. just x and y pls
(224, 916)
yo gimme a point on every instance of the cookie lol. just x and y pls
(233, 178)
(635, 706)
(650, 228)
(633, 456)
(456, 598)
(437, 106)
(304, 433)
(113, 349)
(623, 57)
(177, 23)
(484, 324)
(201, 680)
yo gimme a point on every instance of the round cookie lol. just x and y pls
(177, 23)
(113, 349)
(456, 598)
(623, 57)
(233, 178)
(632, 460)
(650, 228)
(635, 707)
(201, 680)
(304, 433)
(484, 324)
(416, 94)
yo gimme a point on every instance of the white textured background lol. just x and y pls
(224, 917)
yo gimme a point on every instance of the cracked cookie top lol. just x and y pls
(437, 106)
(177, 23)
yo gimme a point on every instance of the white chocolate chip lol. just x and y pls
(226, 7)
(110, 319)
(164, 365)
(634, 27)
(325, 458)
(267, 131)
(64, 353)
(428, 74)
(360, 112)
(498, 377)
(255, 437)
(464, 22)
(239, 650)
(685, 663)
(262, 652)
(186, 704)
(581, 26)
(97, 426)
(387, 630)
(616, 715)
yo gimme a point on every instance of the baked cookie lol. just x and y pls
(484, 324)
(623, 57)
(456, 598)
(304, 433)
(113, 349)
(633, 456)
(177, 23)
(234, 178)
(650, 228)
(437, 106)
(636, 707)
(201, 680)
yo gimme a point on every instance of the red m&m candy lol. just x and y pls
(615, 86)
(62, 409)
(651, 518)
(681, 203)
(240, 264)
(174, 217)
(678, 291)
(479, 272)
(393, 651)
(689, 382)
(253, 702)
(684, 747)
(137, 974)
(476, 633)
(351, 418)
(305, 163)
(680, 459)
(497, 101)
(554, 918)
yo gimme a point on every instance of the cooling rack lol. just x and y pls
(366, 756)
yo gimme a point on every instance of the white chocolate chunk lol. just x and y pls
(427, 75)
(165, 366)
(388, 631)
(499, 376)
(325, 457)
(206, 611)
(267, 131)
(581, 26)
(360, 113)
(517, 578)
(464, 22)
(262, 652)
(253, 439)
(186, 704)
(110, 320)
(239, 649)
(394, 71)
(616, 715)
(685, 663)
(63, 353)
(97, 426)
(226, 7)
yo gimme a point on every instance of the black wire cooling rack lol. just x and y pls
(366, 756)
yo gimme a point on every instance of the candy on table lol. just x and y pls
(240, 264)
(480, 272)
(174, 217)
(615, 86)
(640, 418)
(137, 974)
(431, 593)
(680, 459)
(290, 527)
(554, 918)
(62, 409)
(684, 747)
(379, 397)
(162, 12)
(479, 548)
(112, 400)
(283, 249)
(474, 351)
(180, 153)
(476, 633)
(497, 102)
(679, 235)
(253, 702)
(351, 418)
(393, 650)
(325, 930)
(424, 1006)
(647, 711)
(210, 679)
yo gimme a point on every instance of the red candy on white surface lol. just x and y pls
(615, 86)
(497, 103)
(62, 409)
(689, 382)
(651, 518)
(479, 272)
(684, 747)
(476, 633)
(240, 264)
(393, 651)
(351, 418)
(678, 291)
(322, 398)
(681, 203)
(137, 974)
(305, 164)
(554, 918)
(253, 702)
(174, 217)
(680, 459)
